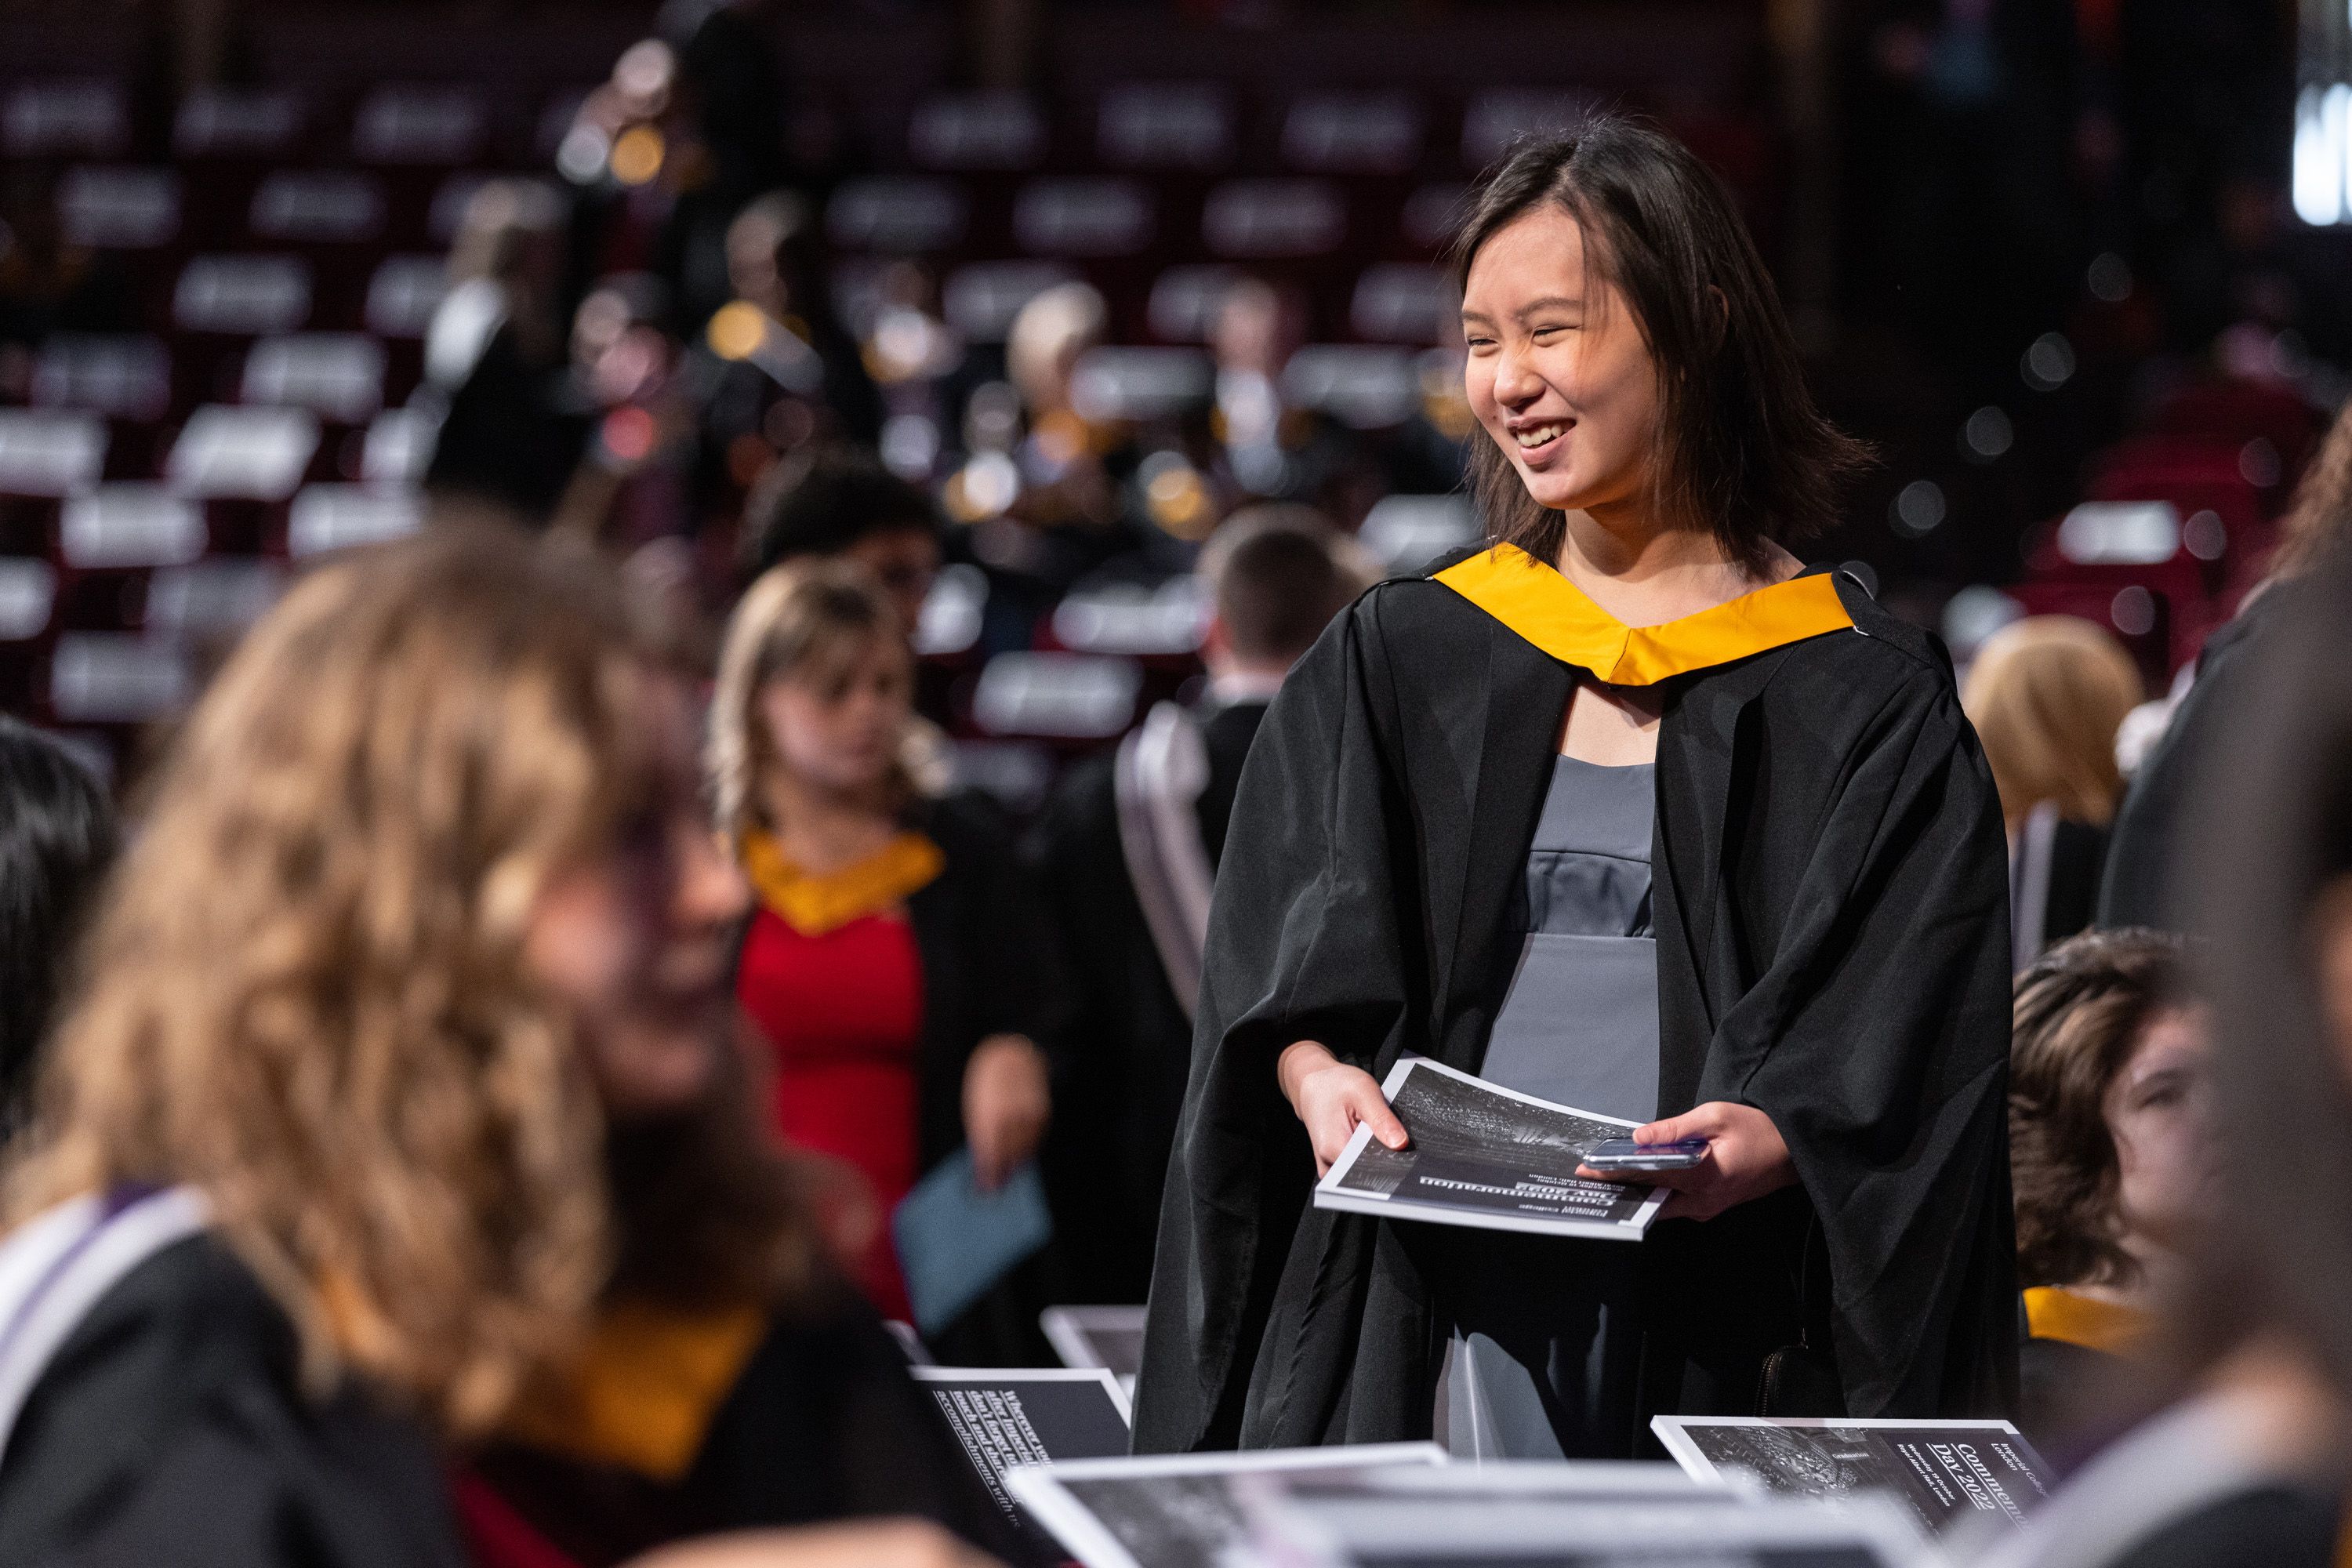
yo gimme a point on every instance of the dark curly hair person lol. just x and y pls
(2110, 1152)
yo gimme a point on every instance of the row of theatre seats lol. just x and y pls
(277, 277)
(2176, 522)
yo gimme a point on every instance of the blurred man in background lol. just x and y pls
(1128, 848)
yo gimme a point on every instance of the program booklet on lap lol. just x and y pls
(1947, 1473)
(1004, 1417)
(1488, 1157)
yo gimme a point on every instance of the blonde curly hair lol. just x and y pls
(306, 992)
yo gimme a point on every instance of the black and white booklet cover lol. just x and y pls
(1007, 1418)
(1182, 1510)
(1477, 1530)
(1947, 1473)
(1483, 1155)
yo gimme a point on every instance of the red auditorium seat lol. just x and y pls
(339, 377)
(86, 117)
(1377, 133)
(1167, 126)
(211, 603)
(115, 207)
(28, 591)
(131, 526)
(896, 215)
(1185, 300)
(230, 122)
(242, 295)
(2234, 413)
(118, 678)
(1430, 215)
(1366, 386)
(318, 206)
(999, 132)
(420, 123)
(1402, 302)
(126, 377)
(47, 454)
(981, 299)
(1406, 532)
(1140, 384)
(1083, 216)
(1056, 696)
(1269, 219)
(339, 517)
(1497, 117)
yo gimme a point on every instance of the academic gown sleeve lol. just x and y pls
(1876, 1037)
(1303, 944)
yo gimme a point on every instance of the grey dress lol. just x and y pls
(1544, 1347)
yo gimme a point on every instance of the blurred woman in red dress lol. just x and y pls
(896, 966)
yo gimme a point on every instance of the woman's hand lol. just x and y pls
(1745, 1159)
(868, 1543)
(1332, 1097)
(1006, 1102)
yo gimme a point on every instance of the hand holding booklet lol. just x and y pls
(1487, 1157)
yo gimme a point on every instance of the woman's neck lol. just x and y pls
(1645, 574)
(824, 829)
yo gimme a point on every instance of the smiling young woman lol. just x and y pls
(1626, 809)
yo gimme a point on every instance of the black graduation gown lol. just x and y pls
(823, 1424)
(1130, 1038)
(2145, 844)
(1832, 914)
(170, 1427)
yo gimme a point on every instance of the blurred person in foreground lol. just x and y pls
(2110, 1135)
(2249, 1465)
(1126, 850)
(2046, 695)
(2147, 846)
(56, 838)
(897, 964)
(394, 1128)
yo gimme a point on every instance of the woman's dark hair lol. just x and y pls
(57, 837)
(822, 500)
(2273, 870)
(1741, 448)
(2077, 1016)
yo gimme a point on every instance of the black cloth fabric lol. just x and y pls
(2145, 843)
(2078, 853)
(823, 1424)
(2059, 1385)
(1130, 1039)
(513, 434)
(170, 1429)
(2266, 1527)
(1832, 917)
(989, 964)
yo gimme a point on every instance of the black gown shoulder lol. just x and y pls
(171, 1428)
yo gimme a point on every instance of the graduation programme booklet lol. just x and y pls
(1483, 1155)
(1945, 1472)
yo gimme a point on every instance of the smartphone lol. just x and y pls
(1625, 1154)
